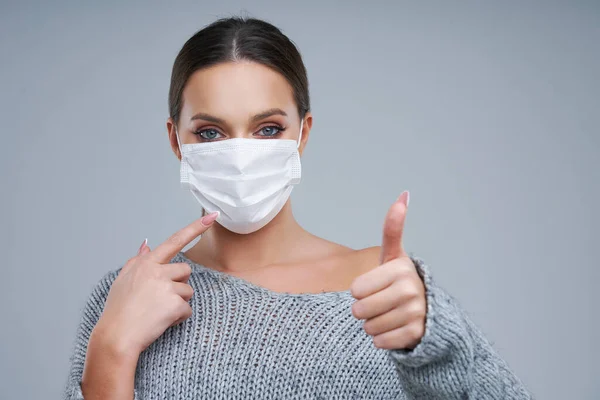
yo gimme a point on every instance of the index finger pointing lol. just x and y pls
(164, 252)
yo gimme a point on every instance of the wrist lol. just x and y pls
(109, 370)
(113, 345)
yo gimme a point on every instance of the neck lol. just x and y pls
(275, 243)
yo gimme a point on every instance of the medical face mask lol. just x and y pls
(247, 180)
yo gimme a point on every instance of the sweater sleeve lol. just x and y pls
(454, 360)
(90, 315)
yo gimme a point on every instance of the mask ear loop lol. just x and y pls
(300, 137)
(178, 141)
(181, 153)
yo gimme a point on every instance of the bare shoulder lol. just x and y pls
(364, 260)
(342, 261)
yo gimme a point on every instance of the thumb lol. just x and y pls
(144, 248)
(393, 229)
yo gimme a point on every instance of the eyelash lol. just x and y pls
(280, 130)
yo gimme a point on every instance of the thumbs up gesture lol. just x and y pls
(391, 297)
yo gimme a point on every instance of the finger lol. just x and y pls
(393, 319)
(185, 311)
(132, 260)
(183, 289)
(378, 279)
(393, 229)
(144, 243)
(174, 244)
(378, 303)
(180, 320)
(145, 249)
(178, 272)
(405, 337)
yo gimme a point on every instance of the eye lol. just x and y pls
(208, 134)
(270, 131)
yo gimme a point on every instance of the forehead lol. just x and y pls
(237, 89)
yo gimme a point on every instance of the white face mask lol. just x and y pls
(247, 180)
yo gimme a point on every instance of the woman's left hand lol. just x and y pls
(391, 297)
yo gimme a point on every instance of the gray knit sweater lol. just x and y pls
(244, 341)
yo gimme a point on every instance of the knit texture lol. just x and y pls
(244, 341)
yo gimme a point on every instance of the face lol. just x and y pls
(238, 100)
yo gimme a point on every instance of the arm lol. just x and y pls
(98, 368)
(126, 312)
(453, 360)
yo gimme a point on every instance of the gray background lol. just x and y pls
(486, 111)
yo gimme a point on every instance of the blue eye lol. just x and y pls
(208, 134)
(270, 131)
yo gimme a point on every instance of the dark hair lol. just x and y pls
(236, 39)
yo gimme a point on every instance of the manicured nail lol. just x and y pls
(210, 218)
(144, 243)
(407, 197)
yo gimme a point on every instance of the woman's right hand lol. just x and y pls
(149, 295)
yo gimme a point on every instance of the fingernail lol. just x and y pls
(407, 197)
(210, 218)
(145, 242)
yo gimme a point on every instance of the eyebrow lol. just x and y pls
(268, 113)
(255, 118)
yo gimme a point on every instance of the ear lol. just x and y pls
(173, 137)
(305, 132)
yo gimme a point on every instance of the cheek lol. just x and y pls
(291, 133)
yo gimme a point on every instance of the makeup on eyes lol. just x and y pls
(208, 133)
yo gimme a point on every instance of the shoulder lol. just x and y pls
(364, 260)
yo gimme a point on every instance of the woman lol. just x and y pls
(260, 308)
